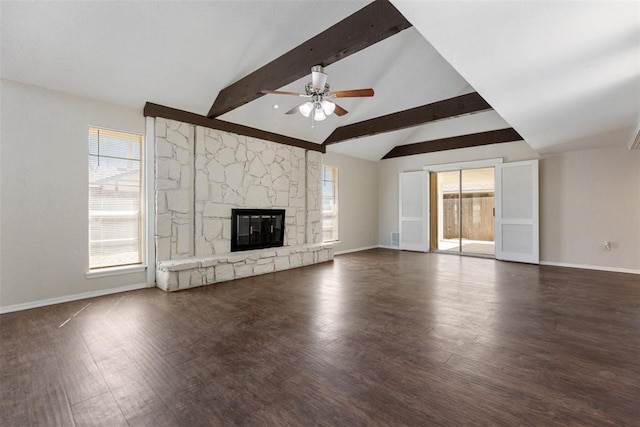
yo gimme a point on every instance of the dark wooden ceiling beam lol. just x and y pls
(155, 110)
(463, 141)
(448, 108)
(371, 24)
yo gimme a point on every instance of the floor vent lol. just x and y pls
(395, 238)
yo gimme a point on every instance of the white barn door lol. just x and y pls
(414, 211)
(516, 217)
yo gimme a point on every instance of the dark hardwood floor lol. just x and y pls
(375, 338)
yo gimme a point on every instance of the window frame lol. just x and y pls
(334, 215)
(142, 220)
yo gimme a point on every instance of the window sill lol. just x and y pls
(115, 271)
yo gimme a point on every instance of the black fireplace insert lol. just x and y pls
(256, 229)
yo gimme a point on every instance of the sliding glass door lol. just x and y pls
(463, 202)
(448, 212)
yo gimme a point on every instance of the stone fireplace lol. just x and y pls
(202, 175)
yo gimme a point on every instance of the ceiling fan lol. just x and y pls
(318, 92)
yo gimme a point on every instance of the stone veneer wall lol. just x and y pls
(174, 189)
(201, 174)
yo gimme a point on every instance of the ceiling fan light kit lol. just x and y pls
(321, 109)
(319, 114)
(318, 90)
(306, 108)
(328, 107)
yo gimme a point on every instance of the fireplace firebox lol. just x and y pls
(256, 229)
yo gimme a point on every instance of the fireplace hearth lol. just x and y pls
(256, 229)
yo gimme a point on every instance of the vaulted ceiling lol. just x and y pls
(564, 75)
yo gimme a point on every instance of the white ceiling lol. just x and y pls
(564, 75)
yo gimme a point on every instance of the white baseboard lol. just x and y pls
(67, 298)
(564, 264)
(591, 267)
(389, 247)
(348, 251)
(93, 294)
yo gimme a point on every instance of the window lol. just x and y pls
(115, 198)
(329, 204)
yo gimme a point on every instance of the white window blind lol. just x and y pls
(329, 204)
(115, 198)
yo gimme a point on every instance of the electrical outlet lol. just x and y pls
(606, 246)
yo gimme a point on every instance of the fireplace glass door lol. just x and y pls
(256, 229)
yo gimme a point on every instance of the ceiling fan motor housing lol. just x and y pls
(313, 92)
(318, 78)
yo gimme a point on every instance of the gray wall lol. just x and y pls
(357, 201)
(44, 197)
(389, 169)
(586, 197)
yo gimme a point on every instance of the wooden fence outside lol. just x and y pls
(477, 216)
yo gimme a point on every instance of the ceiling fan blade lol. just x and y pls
(295, 109)
(352, 93)
(280, 92)
(339, 111)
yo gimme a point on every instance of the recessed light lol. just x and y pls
(276, 106)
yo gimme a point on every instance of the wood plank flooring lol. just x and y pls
(378, 337)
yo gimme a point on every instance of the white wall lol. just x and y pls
(44, 197)
(357, 201)
(588, 197)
